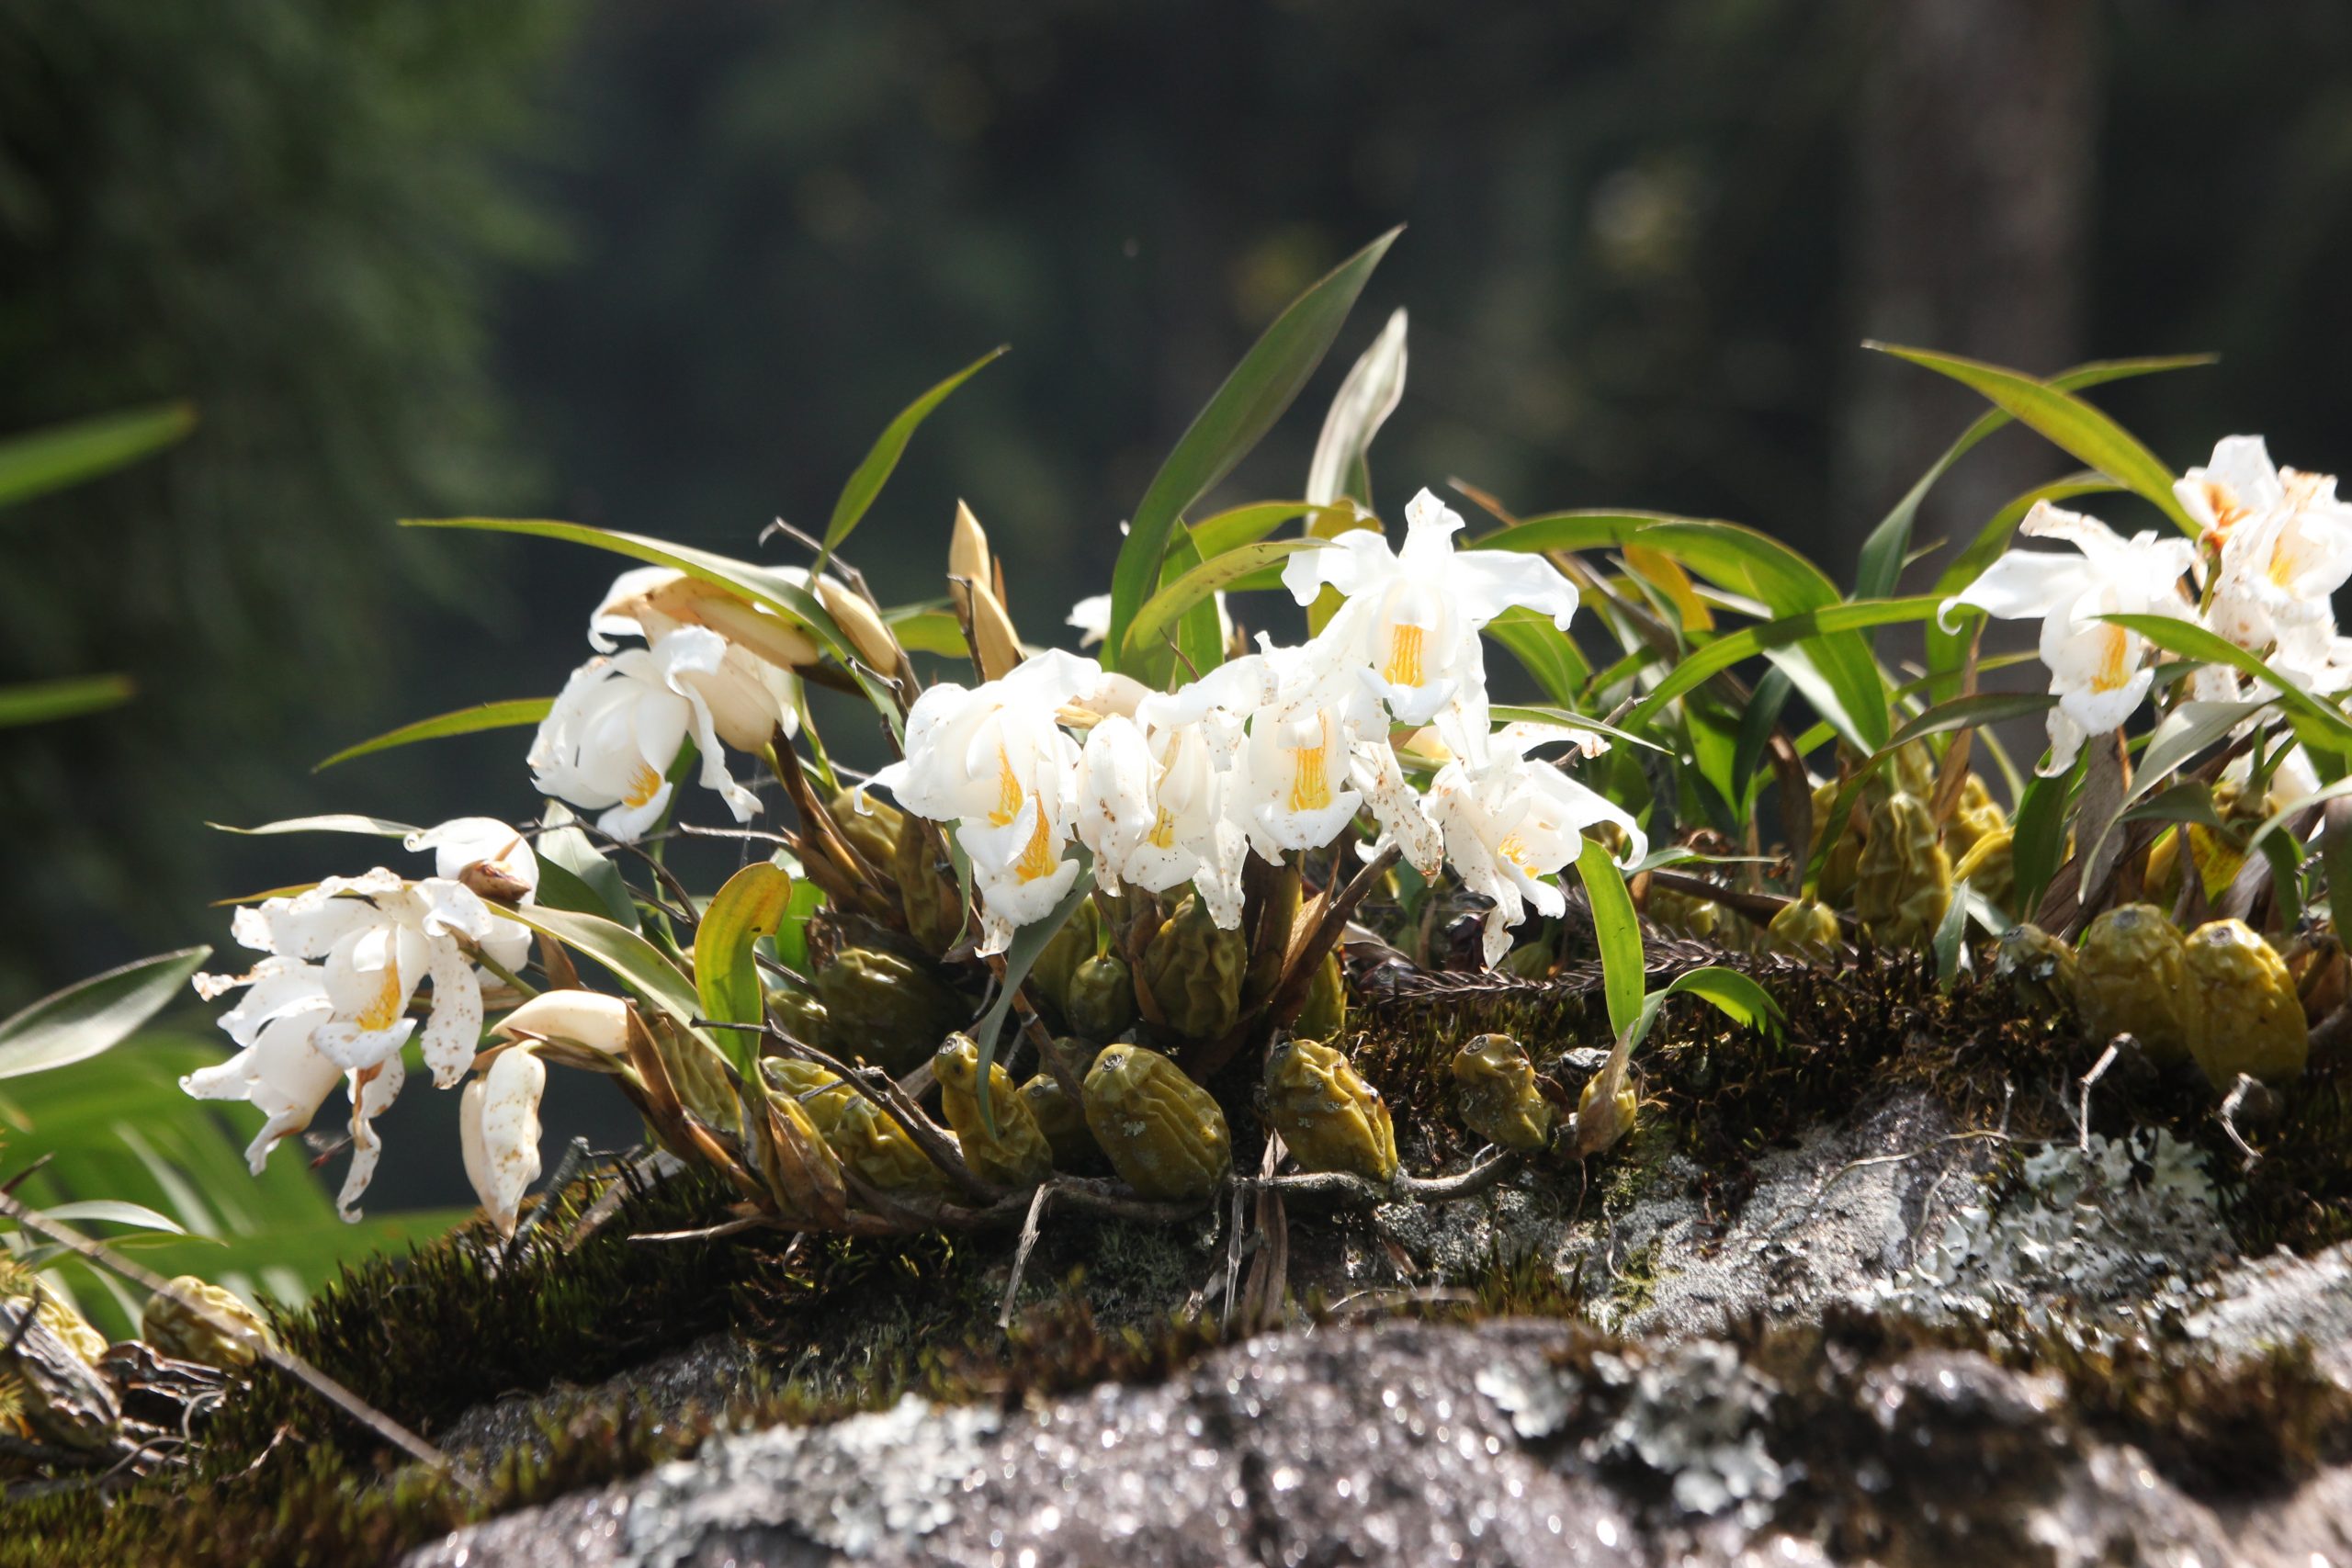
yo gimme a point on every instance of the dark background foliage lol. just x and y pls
(669, 267)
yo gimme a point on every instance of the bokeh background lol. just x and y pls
(669, 267)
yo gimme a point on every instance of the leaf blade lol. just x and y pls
(865, 481)
(511, 714)
(93, 1015)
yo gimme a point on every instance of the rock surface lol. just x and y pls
(1730, 1424)
(1510, 1443)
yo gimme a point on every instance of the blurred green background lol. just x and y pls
(671, 268)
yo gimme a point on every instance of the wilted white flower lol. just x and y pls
(1510, 824)
(380, 938)
(275, 1069)
(1412, 618)
(993, 760)
(752, 692)
(610, 742)
(498, 1132)
(2098, 671)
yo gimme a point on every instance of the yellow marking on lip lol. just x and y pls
(2115, 649)
(643, 784)
(386, 1005)
(1009, 793)
(1037, 856)
(1405, 644)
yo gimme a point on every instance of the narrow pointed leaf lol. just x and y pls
(44, 702)
(872, 474)
(1374, 384)
(96, 1014)
(634, 962)
(42, 461)
(374, 827)
(1261, 388)
(510, 715)
(1198, 585)
(2193, 641)
(2064, 419)
(1619, 933)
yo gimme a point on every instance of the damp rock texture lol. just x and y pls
(1509, 1442)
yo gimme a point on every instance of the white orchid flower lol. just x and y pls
(275, 1069)
(498, 1132)
(380, 938)
(2284, 544)
(1318, 753)
(993, 760)
(284, 1075)
(1510, 824)
(610, 742)
(1412, 618)
(2098, 671)
(1155, 791)
(752, 692)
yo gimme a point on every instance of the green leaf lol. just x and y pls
(1269, 377)
(1972, 713)
(1571, 531)
(42, 461)
(866, 482)
(1733, 994)
(792, 937)
(510, 715)
(1790, 631)
(2193, 641)
(1028, 944)
(2066, 420)
(96, 1014)
(374, 826)
(1236, 526)
(113, 1211)
(1619, 931)
(1832, 668)
(1202, 582)
(43, 701)
(634, 962)
(759, 584)
(2039, 845)
(922, 628)
(1946, 946)
(2181, 803)
(2335, 860)
(1548, 653)
(574, 877)
(1883, 553)
(1512, 713)
(751, 905)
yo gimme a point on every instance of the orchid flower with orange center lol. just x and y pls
(2098, 671)
(2284, 544)
(1511, 824)
(608, 743)
(1318, 752)
(993, 760)
(1156, 788)
(1411, 626)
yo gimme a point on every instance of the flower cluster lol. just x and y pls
(1272, 753)
(329, 1000)
(2274, 545)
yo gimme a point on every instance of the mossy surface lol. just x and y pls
(837, 1325)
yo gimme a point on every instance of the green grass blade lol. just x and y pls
(1261, 388)
(871, 475)
(510, 715)
(1790, 631)
(42, 461)
(44, 702)
(2192, 641)
(93, 1015)
(374, 827)
(2066, 420)
(1201, 583)
(1883, 553)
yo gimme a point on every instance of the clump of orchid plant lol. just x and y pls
(1125, 873)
